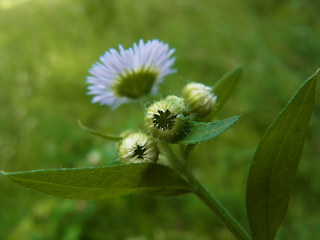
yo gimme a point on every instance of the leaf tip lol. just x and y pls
(239, 68)
(236, 72)
(236, 118)
(314, 77)
(316, 74)
(80, 124)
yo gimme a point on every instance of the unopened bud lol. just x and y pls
(164, 119)
(138, 147)
(199, 99)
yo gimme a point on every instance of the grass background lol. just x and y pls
(46, 49)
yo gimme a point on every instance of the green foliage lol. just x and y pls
(104, 182)
(202, 131)
(225, 86)
(275, 163)
(47, 48)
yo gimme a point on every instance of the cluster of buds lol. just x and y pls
(166, 120)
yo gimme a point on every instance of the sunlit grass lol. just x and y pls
(8, 4)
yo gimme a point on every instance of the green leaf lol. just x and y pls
(104, 182)
(105, 136)
(275, 163)
(203, 131)
(224, 87)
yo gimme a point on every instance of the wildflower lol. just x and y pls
(164, 119)
(138, 147)
(199, 99)
(126, 75)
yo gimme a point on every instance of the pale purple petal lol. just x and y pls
(153, 54)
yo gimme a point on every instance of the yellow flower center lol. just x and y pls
(135, 84)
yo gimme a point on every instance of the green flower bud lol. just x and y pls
(164, 119)
(138, 147)
(199, 99)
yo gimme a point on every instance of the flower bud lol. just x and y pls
(138, 147)
(199, 99)
(164, 119)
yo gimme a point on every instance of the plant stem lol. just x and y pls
(215, 206)
(143, 101)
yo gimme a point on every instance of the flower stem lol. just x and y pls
(142, 102)
(215, 206)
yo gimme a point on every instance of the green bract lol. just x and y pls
(202, 131)
(225, 86)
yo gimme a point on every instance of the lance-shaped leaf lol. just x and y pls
(104, 182)
(202, 131)
(275, 163)
(224, 87)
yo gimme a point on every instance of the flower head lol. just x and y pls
(138, 147)
(199, 99)
(164, 119)
(130, 73)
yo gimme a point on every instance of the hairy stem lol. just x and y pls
(215, 206)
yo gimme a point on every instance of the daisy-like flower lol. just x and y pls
(130, 73)
(138, 147)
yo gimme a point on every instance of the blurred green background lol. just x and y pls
(46, 49)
